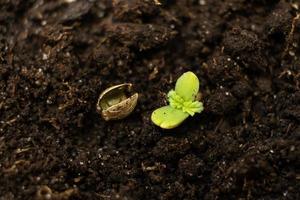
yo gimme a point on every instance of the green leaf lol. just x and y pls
(175, 100)
(192, 107)
(168, 117)
(187, 86)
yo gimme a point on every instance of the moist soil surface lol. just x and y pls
(57, 56)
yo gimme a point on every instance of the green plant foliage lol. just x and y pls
(182, 102)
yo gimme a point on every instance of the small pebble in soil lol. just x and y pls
(45, 56)
(70, 1)
(202, 2)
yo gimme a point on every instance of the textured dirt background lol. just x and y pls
(57, 56)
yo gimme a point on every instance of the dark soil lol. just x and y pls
(57, 56)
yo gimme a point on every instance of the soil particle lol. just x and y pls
(141, 37)
(134, 11)
(279, 21)
(168, 149)
(241, 89)
(191, 166)
(221, 102)
(218, 66)
(254, 169)
(246, 48)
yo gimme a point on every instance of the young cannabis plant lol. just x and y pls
(182, 102)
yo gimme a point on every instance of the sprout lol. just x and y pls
(182, 103)
(114, 103)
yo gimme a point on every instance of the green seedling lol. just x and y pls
(182, 103)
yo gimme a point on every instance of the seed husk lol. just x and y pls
(117, 102)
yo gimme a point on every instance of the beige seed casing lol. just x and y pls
(114, 104)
